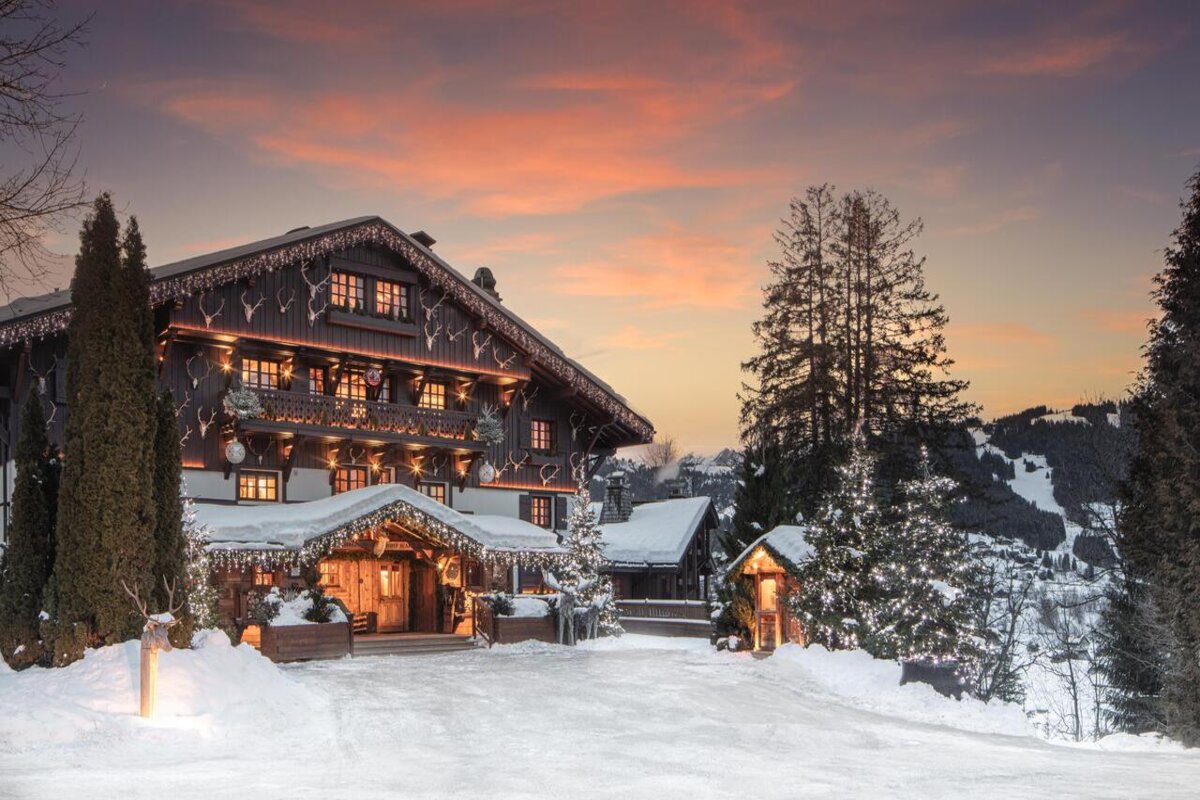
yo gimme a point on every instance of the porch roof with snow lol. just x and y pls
(657, 533)
(787, 544)
(306, 531)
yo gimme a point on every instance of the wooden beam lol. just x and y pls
(420, 388)
(515, 390)
(336, 380)
(297, 443)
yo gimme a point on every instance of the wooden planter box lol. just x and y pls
(306, 642)
(509, 630)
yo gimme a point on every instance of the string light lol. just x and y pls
(179, 287)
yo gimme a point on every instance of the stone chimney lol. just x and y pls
(678, 487)
(618, 502)
(485, 280)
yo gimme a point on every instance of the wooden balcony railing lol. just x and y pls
(664, 609)
(325, 411)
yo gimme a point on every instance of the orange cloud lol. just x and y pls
(1009, 333)
(1063, 58)
(1115, 321)
(667, 270)
(631, 337)
(993, 223)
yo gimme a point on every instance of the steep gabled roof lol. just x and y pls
(45, 315)
(657, 533)
(787, 544)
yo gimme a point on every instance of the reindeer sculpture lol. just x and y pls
(155, 637)
(588, 617)
(568, 600)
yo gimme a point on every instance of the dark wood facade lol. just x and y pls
(273, 303)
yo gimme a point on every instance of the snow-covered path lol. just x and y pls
(616, 721)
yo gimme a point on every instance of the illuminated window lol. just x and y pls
(353, 386)
(329, 573)
(541, 435)
(258, 486)
(264, 576)
(391, 580)
(391, 299)
(385, 475)
(539, 511)
(260, 374)
(433, 396)
(349, 478)
(437, 491)
(316, 380)
(347, 291)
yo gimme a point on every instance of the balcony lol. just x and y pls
(362, 420)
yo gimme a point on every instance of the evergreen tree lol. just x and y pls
(169, 542)
(761, 499)
(1156, 526)
(197, 580)
(925, 575)
(26, 563)
(583, 569)
(1132, 656)
(834, 596)
(850, 336)
(105, 526)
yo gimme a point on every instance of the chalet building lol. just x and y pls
(373, 362)
(659, 549)
(771, 564)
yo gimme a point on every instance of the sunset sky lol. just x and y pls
(621, 166)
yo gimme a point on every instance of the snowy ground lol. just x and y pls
(640, 717)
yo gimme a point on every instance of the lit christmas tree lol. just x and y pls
(833, 598)
(922, 575)
(201, 594)
(582, 572)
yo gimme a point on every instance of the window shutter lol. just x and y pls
(523, 510)
(525, 423)
(560, 512)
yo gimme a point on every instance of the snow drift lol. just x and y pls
(213, 687)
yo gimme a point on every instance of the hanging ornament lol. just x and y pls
(235, 452)
(487, 473)
(373, 377)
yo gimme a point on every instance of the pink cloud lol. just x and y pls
(1117, 321)
(1062, 58)
(1006, 333)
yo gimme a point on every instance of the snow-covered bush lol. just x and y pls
(264, 607)
(306, 607)
(488, 428)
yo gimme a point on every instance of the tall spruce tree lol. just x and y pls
(1156, 526)
(105, 526)
(762, 498)
(26, 563)
(850, 335)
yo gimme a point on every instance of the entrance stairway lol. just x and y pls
(410, 644)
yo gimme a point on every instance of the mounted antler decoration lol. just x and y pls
(187, 434)
(506, 363)
(577, 424)
(208, 318)
(187, 401)
(203, 423)
(155, 637)
(436, 463)
(248, 310)
(429, 310)
(479, 345)
(548, 477)
(313, 290)
(512, 463)
(454, 336)
(196, 379)
(431, 330)
(42, 377)
(256, 453)
(526, 399)
(279, 301)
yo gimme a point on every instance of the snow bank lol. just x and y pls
(525, 606)
(858, 680)
(213, 686)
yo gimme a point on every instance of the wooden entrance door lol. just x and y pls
(391, 606)
(769, 633)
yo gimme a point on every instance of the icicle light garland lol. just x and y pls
(205, 278)
(228, 554)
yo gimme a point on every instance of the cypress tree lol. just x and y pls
(169, 543)
(26, 564)
(105, 526)
(1156, 527)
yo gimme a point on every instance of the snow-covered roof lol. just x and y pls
(787, 544)
(657, 532)
(293, 526)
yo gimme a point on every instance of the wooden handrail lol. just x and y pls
(342, 412)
